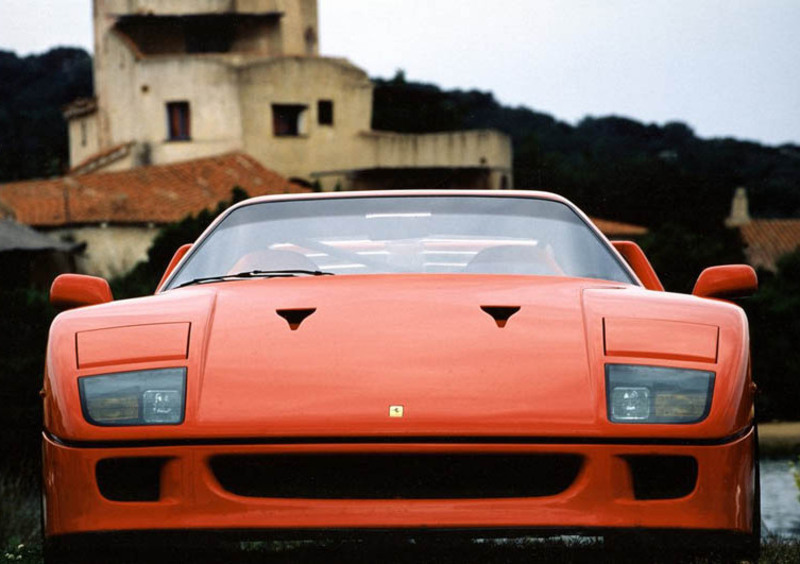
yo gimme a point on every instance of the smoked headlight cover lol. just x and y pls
(656, 394)
(144, 397)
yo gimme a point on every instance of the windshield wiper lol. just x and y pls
(255, 274)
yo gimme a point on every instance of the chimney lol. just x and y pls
(740, 213)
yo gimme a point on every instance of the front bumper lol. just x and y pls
(600, 498)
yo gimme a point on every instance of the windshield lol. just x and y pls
(404, 234)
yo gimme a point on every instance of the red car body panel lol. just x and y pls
(256, 385)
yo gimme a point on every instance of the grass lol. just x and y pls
(19, 508)
(774, 551)
(780, 551)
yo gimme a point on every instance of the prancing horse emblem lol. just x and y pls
(395, 411)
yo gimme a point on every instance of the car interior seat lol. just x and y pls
(273, 259)
(513, 259)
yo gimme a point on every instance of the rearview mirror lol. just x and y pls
(727, 281)
(77, 290)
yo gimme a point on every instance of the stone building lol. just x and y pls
(184, 79)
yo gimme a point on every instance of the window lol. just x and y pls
(288, 120)
(178, 121)
(83, 133)
(325, 112)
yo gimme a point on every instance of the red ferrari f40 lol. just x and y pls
(482, 362)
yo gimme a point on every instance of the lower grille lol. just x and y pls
(662, 477)
(396, 476)
(130, 479)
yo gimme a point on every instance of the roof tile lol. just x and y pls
(618, 229)
(154, 194)
(769, 239)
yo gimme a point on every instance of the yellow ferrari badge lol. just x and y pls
(395, 411)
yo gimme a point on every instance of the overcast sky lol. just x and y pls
(725, 67)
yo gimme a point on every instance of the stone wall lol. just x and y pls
(83, 134)
(305, 82)
(110, 250)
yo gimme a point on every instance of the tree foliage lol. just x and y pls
(774, 314)
(24, 325)
(613, 167)
(679, 254)
(33, 91)
(144, 277)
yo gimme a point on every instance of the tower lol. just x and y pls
(182, 79)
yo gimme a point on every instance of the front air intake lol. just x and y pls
(396, 476)
(130, 479)
(662, 477)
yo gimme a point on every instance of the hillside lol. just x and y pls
(33, 135)
(616, 167)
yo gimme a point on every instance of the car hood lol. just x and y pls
(426, 345)
(402, 355)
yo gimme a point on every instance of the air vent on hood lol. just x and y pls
(501, 314)
(294, 317)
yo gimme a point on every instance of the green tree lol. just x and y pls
(774, 314)
(613, 167)
(33, 91)
(144, 277)
(679, 254)
(24, 325)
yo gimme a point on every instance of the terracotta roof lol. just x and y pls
(79, 107)
(767, 240)
(618, 229)
(153, 194)
(102, 158)
(37, 202)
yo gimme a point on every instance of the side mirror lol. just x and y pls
(634, 256)
(176, 258)
(77, 290)
(728, 281)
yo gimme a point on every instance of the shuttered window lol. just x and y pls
(178, 121)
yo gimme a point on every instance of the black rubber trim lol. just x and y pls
(493, 440)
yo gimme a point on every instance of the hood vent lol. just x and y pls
(501, 314)
(294, 317)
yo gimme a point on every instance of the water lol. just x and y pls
(780, 506)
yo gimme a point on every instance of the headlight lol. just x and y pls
(655, 394)
(144, 397)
